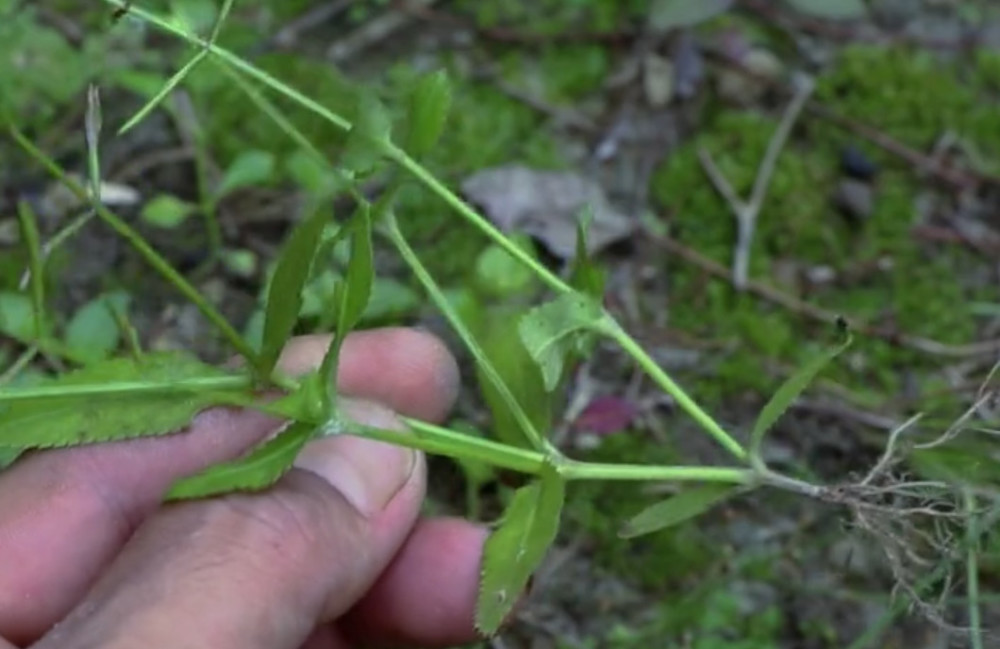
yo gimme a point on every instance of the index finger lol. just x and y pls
(64, 514)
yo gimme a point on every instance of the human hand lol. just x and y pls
(334, 556)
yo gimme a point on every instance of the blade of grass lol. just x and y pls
(29, 232)
(92, 133)
(18, 366)
(152, 257)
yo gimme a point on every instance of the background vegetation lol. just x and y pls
(882, 207)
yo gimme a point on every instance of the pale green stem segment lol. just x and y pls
(18, 366)
(686, 403)
(154, 259)
(442, 441)
(126, 388)
(441, 302)
(418, 171)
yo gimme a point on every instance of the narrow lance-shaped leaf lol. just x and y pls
(284, 295)
(684, 506)
(515, 550)
(92, 134)
(29, 232)
(258, 470)
(790, 391)
(98, 413)
(429, 106)
(553, 330)
(353, 292)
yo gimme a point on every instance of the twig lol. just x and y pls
(747, 212)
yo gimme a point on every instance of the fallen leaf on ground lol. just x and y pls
(547, 205)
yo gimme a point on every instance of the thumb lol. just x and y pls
(261, 570)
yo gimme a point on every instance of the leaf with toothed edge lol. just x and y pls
(259, 470)
(556, 329)
(165, 407)
(517, 547)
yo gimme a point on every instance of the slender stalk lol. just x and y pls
(19, 364)
(475, 219)
(152, 257)
(686, 403)
(597, 471)
(433, 184)
(443, 441)
(122, 388)
(441, 302)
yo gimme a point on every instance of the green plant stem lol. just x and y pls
(123, 388)
(391, 229)
(152, 257)
(462, 208)
(686, 403)
(450, 443)
(237, 62)
(19, 364)
(474, 218)
(599, 471)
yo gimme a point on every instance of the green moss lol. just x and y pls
(921, 291)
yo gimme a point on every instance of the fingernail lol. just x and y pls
(367, 473)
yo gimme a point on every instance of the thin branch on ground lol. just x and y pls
(747, 212)
(819, 314)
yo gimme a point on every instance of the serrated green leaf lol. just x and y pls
(8, 455)
(671, 14)
(788, 392)
(516, 549)
(258, 470)
(166, 211)
(585, 275)
(103, 415)
(369, 136)
(831, 9)
(555, 329)
(248, 169)
(357, 283)
(684, 506)
(284, 294)
(429, 107)
(93, 333)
